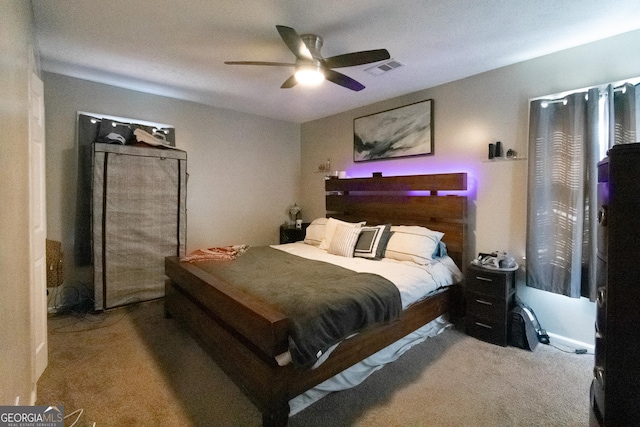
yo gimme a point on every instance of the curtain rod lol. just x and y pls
(557, 97)
(563, 100)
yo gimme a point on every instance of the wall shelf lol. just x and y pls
(503, 159)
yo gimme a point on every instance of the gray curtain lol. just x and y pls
(592, 155)
(624, 107)
(566, 138)
(561, 150)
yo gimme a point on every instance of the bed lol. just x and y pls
(248, 337)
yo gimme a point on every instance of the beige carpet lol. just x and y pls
(132, 367)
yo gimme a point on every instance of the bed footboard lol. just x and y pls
(264, 327)
(257, 375)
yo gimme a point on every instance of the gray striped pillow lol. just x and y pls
(344, 240)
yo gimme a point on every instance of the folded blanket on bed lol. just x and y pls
(224, 253)
(326, 303)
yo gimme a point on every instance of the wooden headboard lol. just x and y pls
(404, 200)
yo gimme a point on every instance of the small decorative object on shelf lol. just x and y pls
(325, 167)
(495, 150)
(498, 149)
(510, 155)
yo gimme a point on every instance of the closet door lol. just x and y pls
(138, 221)
(38, 227)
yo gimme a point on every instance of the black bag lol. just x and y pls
(524, 329)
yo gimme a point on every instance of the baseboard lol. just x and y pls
(570, 344)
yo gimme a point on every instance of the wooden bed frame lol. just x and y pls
(243, 335)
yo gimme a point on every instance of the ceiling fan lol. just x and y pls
(311, 67)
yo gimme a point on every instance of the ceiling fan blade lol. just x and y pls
(275, 64)
(342, 80)
(294, 42)
(356, 58)
(289, 83)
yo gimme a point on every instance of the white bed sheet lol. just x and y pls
(414, 282)
(359, 372)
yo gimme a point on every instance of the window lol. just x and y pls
(568, 135)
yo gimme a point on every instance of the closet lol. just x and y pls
(139, 218)
(615, 389)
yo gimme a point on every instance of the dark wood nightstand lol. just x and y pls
(489, 295)
(290, 234)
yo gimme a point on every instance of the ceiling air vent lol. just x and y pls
(389, 65)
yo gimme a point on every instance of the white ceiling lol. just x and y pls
(176, 48)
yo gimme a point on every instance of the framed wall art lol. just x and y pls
(400, 132)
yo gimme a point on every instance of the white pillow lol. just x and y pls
(330, 229)
(372, 241)
(344, 240)
(315, 232)
(412, 243)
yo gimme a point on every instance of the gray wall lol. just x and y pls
(470, 114)
(243, 169)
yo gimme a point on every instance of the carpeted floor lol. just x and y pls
(132, 367)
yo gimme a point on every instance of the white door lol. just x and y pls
(38, 227)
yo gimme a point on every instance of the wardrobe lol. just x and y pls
(138, 217)
(615, 389)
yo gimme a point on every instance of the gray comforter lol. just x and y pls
(326, 303)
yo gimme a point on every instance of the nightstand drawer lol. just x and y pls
(497, 284)
(486, 330)
(486, 307)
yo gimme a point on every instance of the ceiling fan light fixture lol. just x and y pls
(309, 75)
(311, 68)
